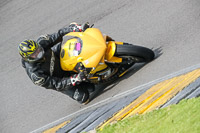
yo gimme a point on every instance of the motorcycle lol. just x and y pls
(98, 56)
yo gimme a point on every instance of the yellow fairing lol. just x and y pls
(111, 47)
(93, 48)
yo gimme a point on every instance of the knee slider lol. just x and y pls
(81, 95)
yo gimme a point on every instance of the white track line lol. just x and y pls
(118, 96)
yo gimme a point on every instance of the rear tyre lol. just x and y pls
(138, 53)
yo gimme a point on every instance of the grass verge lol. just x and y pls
(183, 117)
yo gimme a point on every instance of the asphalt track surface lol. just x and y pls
(170, 27)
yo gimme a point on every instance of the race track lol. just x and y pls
(170, 27)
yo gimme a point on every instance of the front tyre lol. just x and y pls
(138, 53)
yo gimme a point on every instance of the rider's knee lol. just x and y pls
(78, 93)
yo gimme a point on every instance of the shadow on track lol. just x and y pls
(102, 88)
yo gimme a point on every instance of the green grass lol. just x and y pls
(181, 118)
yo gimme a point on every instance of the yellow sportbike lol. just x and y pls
(98, 56)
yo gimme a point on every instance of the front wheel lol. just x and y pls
(138, 53)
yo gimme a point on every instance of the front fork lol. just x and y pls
(103, 71)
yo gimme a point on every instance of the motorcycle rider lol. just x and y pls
(41, 60)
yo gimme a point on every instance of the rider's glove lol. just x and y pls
(75, 27)
(76, 79)
(79, 28)
(72, 28)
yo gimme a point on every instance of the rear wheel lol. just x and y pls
(137, 53)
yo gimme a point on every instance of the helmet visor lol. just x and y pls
(37, 55)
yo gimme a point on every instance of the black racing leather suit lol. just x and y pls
(48, 73)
